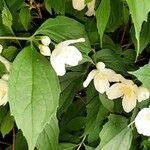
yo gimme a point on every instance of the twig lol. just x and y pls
(81, 143)
(5, 143)
(13, 145)
(123, 35)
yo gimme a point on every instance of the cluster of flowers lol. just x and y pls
(105, 80)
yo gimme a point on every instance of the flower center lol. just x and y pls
(101, 76)
(127, 90)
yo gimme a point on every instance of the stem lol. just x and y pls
(13, 145)
(81, 143)
(123, 35)
(5, 143)
(14, 38)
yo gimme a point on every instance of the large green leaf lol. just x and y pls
(33, 93)
(115, 134)
(63, 28)
(139, 12)
(48, 139)
(143, 74)
(102, 16)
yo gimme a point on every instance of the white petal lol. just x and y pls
(68, 42)
(142, 121)
(45, 40)
(1, 48)
(89, 78)
(129, 103)
(3, 92)
(111, 75)
(44, 50)
(143, 93)
(101, 85)
(91, 8)
(5, 77)
(78, 4)
(6, 63)
(73, 56)
(114, 91)
(123, 80)
(57, 61)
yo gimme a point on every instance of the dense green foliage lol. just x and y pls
(48, 112)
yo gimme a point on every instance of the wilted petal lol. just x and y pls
(91, 8)
(143, 93)
(78, 4)
(129, 103)
(101, 84)
(73, 56)
(114, 91)
(89, 78)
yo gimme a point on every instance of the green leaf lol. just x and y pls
(102, 16)
(67, 146)
(7, 124)
(115, 134)
(33, 93)
(111, 59)
(6, 17)
(96, 113)
(48, 139)
(69, 87)
(143, 74)
(107, 103)
(3, 69)
(76, 123)
(63, 28)
(139, 12)
(57, 5)
(88, 147)
(10, 53)
(25, 17)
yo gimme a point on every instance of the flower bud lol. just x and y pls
(143, 93)
(44, 50)
(45, 40)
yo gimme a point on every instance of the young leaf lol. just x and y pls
(143, 74)
(58, 5)
(139, 12)
(25, 17)
(115, 134)
(102, 16)
(48, 139)
(6, 17)
(63, 28)
(33, 93)
(7, 124)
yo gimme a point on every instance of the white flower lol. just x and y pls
(91, 8)
(44, 50)
(45, 40)
(102, 76)
(6, 63)
(127, 90)
(3, 90)
(65, 54)
(143, 93)
(78, 4)
(142, 122)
